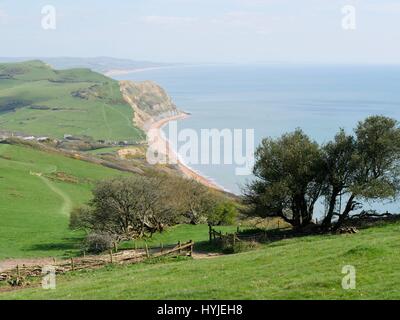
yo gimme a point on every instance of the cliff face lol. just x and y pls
(149, 101)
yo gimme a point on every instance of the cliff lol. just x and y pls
(149, 101)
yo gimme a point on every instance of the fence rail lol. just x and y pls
(93, 262)
(231, 239)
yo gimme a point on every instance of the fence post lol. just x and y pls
(147, 250)
(234, 239)
(115, 247)
(72, 264)
(18, 272)
(210, 232)
(162, 247)
(111, 256)
(191, 249)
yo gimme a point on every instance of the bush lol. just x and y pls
(98, 242)
(225, 213)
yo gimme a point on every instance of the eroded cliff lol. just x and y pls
(149, 101)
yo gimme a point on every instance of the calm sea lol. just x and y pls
(276, 99)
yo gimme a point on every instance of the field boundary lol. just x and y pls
(16, 276)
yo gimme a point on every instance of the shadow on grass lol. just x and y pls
(208, 247)
(274, 235)
(69, 247)
(369, 222)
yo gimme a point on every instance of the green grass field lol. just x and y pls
(37, 100)
(108, 150)
(300, 268)
(182, 232)
(34, 210)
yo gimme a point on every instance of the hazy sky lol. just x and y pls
(205, 30)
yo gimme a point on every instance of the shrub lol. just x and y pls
(98, 242)
(225, 213)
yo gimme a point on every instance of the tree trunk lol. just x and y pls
(327, 222)
(345, 214)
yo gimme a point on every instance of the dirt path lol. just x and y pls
(67, 203)
(10, 264)
(205, 255)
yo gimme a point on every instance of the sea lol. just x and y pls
(272, 100)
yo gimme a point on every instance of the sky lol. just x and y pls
(207, 31)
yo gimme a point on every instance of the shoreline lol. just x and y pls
(120, 72)
(161, 144)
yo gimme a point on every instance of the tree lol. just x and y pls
(341, 166)
(127, 208)
(293, 173)
(366, 167)
(224, 212)
(289, 178)
(193, 201)
(136, 206)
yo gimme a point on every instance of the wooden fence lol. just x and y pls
(230, 239)
(93, 262)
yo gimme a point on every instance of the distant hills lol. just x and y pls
(103, 65)
(38, 100)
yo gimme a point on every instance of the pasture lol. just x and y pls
(299, 268)
(40, 101)
(37, 192)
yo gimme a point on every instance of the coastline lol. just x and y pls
(120, 72)
(161, 144)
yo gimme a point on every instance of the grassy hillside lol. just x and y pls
(98, 64)
(37, 192)
(37, 100)
(302, 268)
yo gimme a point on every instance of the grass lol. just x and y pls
(300, 268)
(107, 150)
(183, 233)
(37, 100)
(34, 210)
(38, 190)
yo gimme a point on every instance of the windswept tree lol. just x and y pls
(341, 164)
(135, 207)
(289, 178)
(293, 173)
(128, 208)
(366, 167)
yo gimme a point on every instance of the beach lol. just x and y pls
(160, 143)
